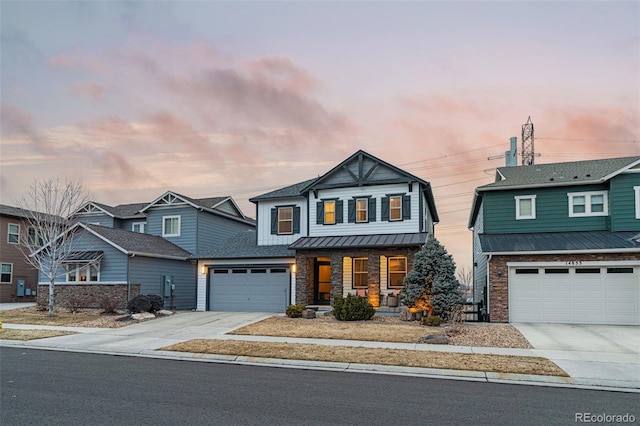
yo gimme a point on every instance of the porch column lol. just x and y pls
(373, 282)
(304, 278)
(336, 275)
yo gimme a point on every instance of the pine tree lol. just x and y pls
(433, 276)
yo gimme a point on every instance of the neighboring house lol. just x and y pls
(147, 247)
(18, 279)
(560, 243)
(355, 229)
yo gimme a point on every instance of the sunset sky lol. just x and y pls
(239, 98)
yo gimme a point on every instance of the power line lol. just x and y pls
(588, 140)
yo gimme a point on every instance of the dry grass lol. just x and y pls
(373, 331)
(62, 317)
(408, 358)
(14, 334)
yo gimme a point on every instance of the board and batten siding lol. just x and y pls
(150, 273)
(552, 211)
(622, 200)
(265, 237)
(372, 227)
(347, 276)
(213, 229)
(188, 222)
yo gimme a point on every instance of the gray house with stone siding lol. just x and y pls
(354, 229)
(146, 248)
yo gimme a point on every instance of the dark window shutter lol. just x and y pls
(352, 210)
(406, 207)
(372, 209)
(320, 213)
(296, 220)
(274, 221)
(385, 209)
(339, 211)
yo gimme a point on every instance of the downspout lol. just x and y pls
(129, 276)
(488, 284)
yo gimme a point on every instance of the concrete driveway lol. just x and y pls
(609, 353)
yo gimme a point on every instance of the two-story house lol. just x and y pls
(559, 243)
(18, 279)
(145, 248)
(354, 229)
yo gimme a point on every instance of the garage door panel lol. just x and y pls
(589, 295)
(248, 290)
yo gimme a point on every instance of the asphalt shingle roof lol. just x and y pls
(243, 246)
(570, 173)
(139, 243)
(560, 241)
(294, 190)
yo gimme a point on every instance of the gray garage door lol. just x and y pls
(248, 289)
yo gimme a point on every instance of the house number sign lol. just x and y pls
(573, 263)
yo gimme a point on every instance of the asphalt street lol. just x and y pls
(52, 387)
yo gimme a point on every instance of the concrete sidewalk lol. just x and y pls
(145, 338)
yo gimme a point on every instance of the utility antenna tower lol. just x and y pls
(527, 143)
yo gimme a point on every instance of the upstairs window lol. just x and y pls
(285, 220)
(35, 238)
(588, 204)
(362, 210)
(360, 272)
(395, 208)
(171, 226)
(525, 207)
(329, 212)
(13, 233)
(139, 227)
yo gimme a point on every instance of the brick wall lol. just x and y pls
(499, 275)
(93, 291)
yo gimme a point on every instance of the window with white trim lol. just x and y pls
(139, 227)
(397, 271)
(35, 238)
(13, 233)
(362, 210)
(637, 189)
(6, 272)
(170, 226)
(525, 207)
(395, 207)
(360, 272)
(83, 272)
(594, 203)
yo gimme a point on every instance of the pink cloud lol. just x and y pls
(90, 91)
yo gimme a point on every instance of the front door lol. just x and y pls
(322, 285)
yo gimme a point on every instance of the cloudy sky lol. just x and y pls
(239, 98)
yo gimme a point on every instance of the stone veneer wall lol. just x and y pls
(94, 291)
(499, 282)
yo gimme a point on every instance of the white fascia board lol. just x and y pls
(151, 204)
(156, 256)
(582, 263)
(111, 243)
(622, 170)
(596, 251)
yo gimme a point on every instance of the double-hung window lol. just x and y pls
(362, 210)
(525, 207)
(35, 238)
(395, 207)
(397, 271)
(13, 233)
(6, 272)
(329, 212)
(171, 226)
(360, 272)
(593, 203)
(285, 220)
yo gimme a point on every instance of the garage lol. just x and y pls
(253, 289)
(583, 294)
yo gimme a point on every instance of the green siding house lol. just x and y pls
(559, 243)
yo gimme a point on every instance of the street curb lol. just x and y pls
(432, 373)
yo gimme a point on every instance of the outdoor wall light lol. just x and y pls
(294, 268)
(203, 270)
(499, 271)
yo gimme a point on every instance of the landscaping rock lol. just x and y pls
(308, 314)
(164, 313)
(405, 315)
(436, 339)
(142, 316)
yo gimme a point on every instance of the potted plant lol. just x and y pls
(392, 300)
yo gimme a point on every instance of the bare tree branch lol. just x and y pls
(47, 242)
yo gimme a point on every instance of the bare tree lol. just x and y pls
(48, 242)
(464, 274)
